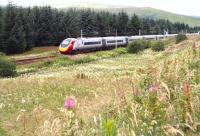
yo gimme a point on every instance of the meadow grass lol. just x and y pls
(64, 61)
(149, 93)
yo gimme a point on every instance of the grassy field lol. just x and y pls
(116, 93)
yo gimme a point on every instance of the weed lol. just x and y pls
(157, 46)
(7, 68)
(180, 38)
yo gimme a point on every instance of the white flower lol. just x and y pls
(23, 101)
(2, 105)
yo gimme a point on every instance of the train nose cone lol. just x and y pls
(62, 50)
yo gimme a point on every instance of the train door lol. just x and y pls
(126, 40)
(103, 43)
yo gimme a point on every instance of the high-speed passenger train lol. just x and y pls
(75, 45)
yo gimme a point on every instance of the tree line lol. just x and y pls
(22, 28)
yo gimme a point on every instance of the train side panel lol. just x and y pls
(88, 43)
(113, 41)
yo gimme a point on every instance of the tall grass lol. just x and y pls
(132, 94)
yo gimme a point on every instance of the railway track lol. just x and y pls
(44, 58)
(34, 59)
(47, 58)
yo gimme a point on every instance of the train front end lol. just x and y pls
(67, 46)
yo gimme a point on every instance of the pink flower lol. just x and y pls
(121, 94)
(69, 103)
(153, 88)
(194, 46)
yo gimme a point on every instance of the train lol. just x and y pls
(77, 45)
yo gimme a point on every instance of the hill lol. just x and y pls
(143, 12)
(147, 12)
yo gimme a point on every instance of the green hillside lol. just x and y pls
(147, 12)
(143, 12)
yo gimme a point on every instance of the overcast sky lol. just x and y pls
(185, 7)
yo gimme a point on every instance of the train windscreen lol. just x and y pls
(65, 43)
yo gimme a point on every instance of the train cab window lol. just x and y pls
(65, 43)
(73, 42)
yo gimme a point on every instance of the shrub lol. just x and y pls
(120, 51)
(114, 53)
(7, 68)
(180, 38)
(157, 46)
(109, 128)
(61, 61)
(137, 46)
(85, 59)
(2, 54)
(3, 132)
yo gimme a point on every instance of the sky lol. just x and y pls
(184, 7)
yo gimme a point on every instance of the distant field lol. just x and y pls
(37, 50)
(116, 93)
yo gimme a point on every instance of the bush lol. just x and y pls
(7, 68)
(138, 45)
(157, 46)
(180, 38)
(120, 51)
(2, 54)
(109, 128)
(85, 59)
(3, 132)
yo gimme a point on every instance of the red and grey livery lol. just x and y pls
(74, 45)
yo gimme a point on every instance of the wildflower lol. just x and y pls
(186, 92)
(23, 101)
(2, 105)
(70, 103)
(121, 95)
(153, 88)
(194, 46)
(135, 90)
(120, 99)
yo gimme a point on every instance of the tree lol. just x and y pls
(16, 41)
(87, 23)
(1, 19)
(1, 39)
(102, 24)
(134, 25)
(112, 22)
(28, 24)
(45, 19)
(122, 25)
(8, 23)
(56, 29)
(145, 26)
(70, 23)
